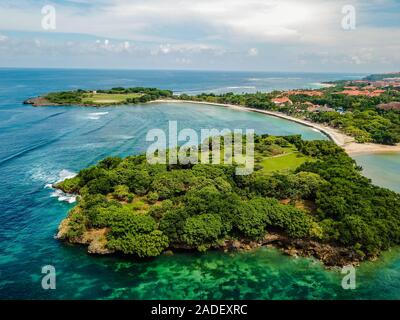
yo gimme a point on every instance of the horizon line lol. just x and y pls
(193, 70)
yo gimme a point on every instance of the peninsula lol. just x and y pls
(307, 198)
(100, 98)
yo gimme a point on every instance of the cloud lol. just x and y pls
(257, 20)
(186, 49)
(252, 52)
(215, 32)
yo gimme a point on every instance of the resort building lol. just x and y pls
(317, 108)
(367, 93)
(280, 101)
(389, 106)
(310, 93)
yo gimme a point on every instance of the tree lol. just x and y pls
(110, 163)
(202, 230)
(252, 218)
(139, 181)
(122, 224)
(210, 199)
(100, 185)
(305, 185)
(172, 183)
(173, 222)
(121, 192)
(143, 245)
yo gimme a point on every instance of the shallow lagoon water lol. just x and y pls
(41, 145)
(383, 169)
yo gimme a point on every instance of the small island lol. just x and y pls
(307, 198)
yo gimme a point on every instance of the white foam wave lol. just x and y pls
(266, 79)
(40, 174)
(322, 85)
(225, 89)
(98, 113)
(65, 174)
(241, 87)
(60, 195)
(123, 137)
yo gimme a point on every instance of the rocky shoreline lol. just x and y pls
(329, 255)
(94, 239)
(43, 102)
(40, 102)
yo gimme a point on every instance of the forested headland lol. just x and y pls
(319, 205)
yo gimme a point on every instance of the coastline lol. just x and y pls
(342, 140)
(329, 255)
(348, 143)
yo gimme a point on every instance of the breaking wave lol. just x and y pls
(60, 195)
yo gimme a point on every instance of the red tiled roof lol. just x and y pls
(311, 93)
(281, 100)
(367, 93)
(390, 106)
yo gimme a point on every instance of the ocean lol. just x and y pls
(39, 146)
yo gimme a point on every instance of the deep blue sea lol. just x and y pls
(39, 146)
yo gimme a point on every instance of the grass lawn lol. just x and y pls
(108, 98)
(138, 205)
(288, 161)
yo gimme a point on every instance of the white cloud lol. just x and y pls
(356, 59)
(288, 21)
(306, 32)
(262, 20)
(165, 49)
(252, 52)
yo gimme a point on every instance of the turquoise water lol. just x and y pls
(41, 145)
(383, 169)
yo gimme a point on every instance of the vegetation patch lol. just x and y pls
(288, 161)
(108, 98)
(114, 96)
(320, 201)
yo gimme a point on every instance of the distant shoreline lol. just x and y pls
(342, 140)
(348, 143)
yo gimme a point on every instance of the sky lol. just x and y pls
(255, 35)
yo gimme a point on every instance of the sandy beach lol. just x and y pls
(346, 142)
